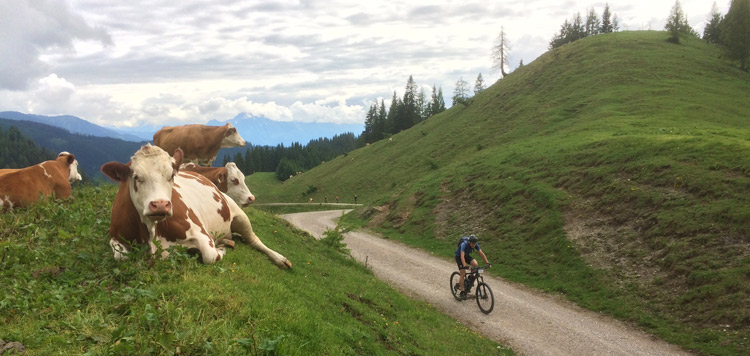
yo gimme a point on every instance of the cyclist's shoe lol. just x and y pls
(463, 295)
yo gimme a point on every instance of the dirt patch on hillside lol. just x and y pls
(608, 244)
(459, 214)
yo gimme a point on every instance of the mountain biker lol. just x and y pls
(466, 247)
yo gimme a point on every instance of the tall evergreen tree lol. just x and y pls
(461, 93)
(393, 112)
(380, 123)
(712, 31)
(735, 33)
(501, 53)
(606, 26)
(437, 104)
(422, 112)
(677, 24)
(479, 84)
(592, 23)
(408, 115)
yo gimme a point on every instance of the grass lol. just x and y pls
(613, 171)
(64, 294)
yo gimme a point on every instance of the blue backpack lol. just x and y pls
(462, 240)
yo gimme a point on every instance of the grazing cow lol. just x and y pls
(229, 179)
(158, 203)
(200, 143)
(74, 175)
(23, 187)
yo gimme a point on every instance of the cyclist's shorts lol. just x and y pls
(466, 257)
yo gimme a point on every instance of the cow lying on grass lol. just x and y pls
(26, 186)
(229, 179)
(156, 202)
(199, 143)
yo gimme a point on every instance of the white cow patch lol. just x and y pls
(45, 171)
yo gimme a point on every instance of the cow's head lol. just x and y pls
(232, 138)
(236, 187)
(70, 160)
(150, 178)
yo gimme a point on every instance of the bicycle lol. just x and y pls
(483, 292)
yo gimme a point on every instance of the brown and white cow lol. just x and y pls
(157, 202)
(25, 186)
(74, 175)
(229, 179)
(200, 143)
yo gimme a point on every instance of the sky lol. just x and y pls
(164, 62)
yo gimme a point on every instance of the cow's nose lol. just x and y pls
(250, 199)
(160, 206)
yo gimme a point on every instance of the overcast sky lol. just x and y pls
(125, 63)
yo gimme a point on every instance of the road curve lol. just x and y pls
(532, 323)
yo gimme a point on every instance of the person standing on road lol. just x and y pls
(466, 246)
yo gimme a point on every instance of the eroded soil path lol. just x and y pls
(530, 322)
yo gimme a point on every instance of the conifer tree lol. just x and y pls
(735, 33)
(677, 24)
(390, 126)
(712, 31)
(592, 23)
(461, 93)
(606, 20)
(501, 52)
(479, 85)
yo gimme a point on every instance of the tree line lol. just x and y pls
(577, 28)
(19, 151)
(288, 161)
(403, 113)
(731, 31)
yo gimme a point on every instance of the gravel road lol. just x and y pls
(532, 323)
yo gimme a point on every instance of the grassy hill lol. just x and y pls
(63, 294)
(613, 170)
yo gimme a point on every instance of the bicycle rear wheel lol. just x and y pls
(485, 298)
(454, 285)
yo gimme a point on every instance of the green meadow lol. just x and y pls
(613, 171)
(62, 293)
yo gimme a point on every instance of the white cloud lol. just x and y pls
(165, 62)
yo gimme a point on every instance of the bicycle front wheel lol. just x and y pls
(485, 298)
(454, 285)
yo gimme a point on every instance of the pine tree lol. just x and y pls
(712, 31)
(380, 123)
(606, 20)
(408, 115)
(479, 85)
(422, 112)
(501, 52)
(736, 32)
(393, 112)
(592, 23)
(677, 24)
(461, 93)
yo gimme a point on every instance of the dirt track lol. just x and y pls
(530, 322)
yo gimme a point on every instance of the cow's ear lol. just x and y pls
(116, 171)
(231, 131)
(71, 159)
(178, 154)
(222, 177)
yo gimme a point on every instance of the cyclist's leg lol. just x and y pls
(462, 272)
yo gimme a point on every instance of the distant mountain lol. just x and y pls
(72, 124)
(91, 151)
(260, 131)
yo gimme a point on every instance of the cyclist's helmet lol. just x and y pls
(473, 239)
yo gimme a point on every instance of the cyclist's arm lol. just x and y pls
(463, 259)
(484, 257)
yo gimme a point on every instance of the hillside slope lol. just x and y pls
(613, 170)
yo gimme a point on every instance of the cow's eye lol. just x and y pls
(136, 178)
(236, 181)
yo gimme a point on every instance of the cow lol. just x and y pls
(157, 203)
(74, 175)
(200, 143)
(229, 179)
(24, 187)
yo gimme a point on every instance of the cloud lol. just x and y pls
(29, 28)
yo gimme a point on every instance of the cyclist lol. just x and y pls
(465, 247)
